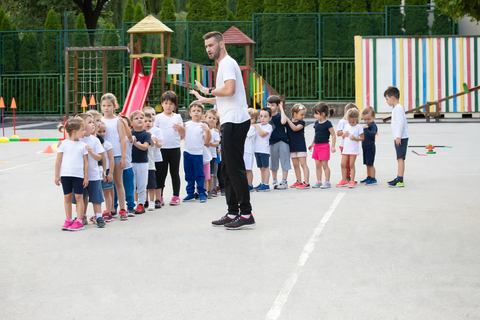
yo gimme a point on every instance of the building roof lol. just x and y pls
(233, 36)
(150, 25)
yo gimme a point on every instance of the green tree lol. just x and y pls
(9, 58)
(80, 38)
(441, 24)
(2, 15)
(307, 6)
(194, 12)
(129, 12)
(230, 17)
(330, 40)
(168, 15)
(219, 10)
(168, 11)
(270, 6)
(206, 6)
(416, 19)
(358, 6)
(459, 8)
(28, 53)
(50, 44)
(16, 45)
(138, 15)
(245, 9)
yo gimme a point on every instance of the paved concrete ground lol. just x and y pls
(380, 253)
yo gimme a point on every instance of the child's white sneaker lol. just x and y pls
(151, 206)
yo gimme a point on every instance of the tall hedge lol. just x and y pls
(416, 20)
(168, 15)
(50, 59)
(129, 12)
(441, 24)
(9, 58)
(219, 10)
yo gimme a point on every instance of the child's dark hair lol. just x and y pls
(72, 124)
(274, 99)
(392, 92)
(170, 96)
(195, 104)
(322, 107)
(267, 110)
(148, 115)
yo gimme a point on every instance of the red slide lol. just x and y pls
(139, 86)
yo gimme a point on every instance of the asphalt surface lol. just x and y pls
(364, 253)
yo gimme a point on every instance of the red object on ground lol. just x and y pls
(139, 86)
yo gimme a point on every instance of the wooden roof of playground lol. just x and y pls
(150, 25)
(233, 36)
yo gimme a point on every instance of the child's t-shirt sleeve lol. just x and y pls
(341, 125)
(216, 136)
(61, 148)
(97, 148)
(148, 138)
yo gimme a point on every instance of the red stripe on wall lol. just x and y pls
(409, 73)
(367, 70)
(469, 96)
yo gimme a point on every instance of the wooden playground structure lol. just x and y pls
(257, 89)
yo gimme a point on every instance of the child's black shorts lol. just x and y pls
(401, 149)
(369, 156)
(152, 180)
(70, 184)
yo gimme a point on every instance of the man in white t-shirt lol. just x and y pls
(230, 98)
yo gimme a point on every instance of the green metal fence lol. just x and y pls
(304, 56)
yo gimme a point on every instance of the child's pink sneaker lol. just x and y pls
(76, 226)
(175, 201)
(161, 200)
(351, 184)
(67, 224)
(342, 183)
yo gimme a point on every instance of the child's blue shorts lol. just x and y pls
(369, 156)
(263, 159)
(95, 193)
(401, 149)
(106, 184)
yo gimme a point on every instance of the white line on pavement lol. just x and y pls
(282, 297)
(23, 165)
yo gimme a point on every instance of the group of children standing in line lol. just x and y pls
(123, 161)
(281, 139)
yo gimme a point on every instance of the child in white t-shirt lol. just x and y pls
(352, 135)
(157, 133)
(107, 181)
(249, 148)
(211, 117)
(340, 126)
(93, 193)
(262, 148)
(152, 180)
(196, 136)
(171, 124)
(71, 170)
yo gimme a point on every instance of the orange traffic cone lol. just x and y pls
(92, 101)
(84, 104)
(49, 149)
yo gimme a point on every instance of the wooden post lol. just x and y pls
(75, 82)
(247, 55)
(252, 61)
(132, 47)
(104, 86)
(67, 83)
(162, 51)
(168, 45)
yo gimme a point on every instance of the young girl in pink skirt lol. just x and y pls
(321, 146)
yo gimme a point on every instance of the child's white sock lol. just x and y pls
(284, 180)
(231, 216)
(246, 216)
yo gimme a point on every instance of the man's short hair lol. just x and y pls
(213, 34)
(274, 99)
(368, 110)
(392, 92)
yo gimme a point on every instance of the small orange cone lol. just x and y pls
(49, 149)
(92, 101)
(13, 105)
(84, 104)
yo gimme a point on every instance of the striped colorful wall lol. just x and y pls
(423, 68)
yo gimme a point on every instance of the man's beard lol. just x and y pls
(216, 54)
